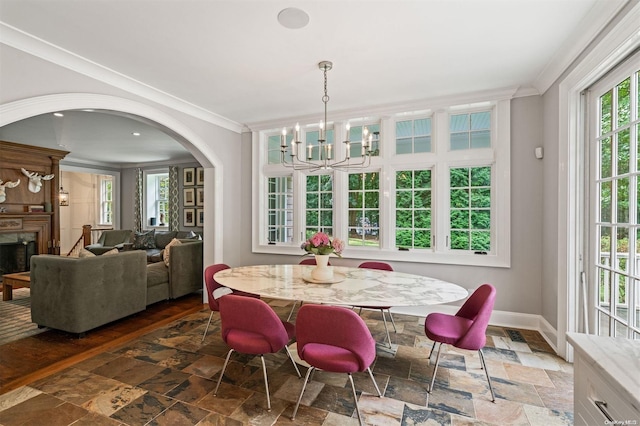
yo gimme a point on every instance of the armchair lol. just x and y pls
(111, 239)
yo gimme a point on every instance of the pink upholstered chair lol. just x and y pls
(307, 261)
(382, 266)
(250, 326)
(335, 339)
(465, 330)
(212, 285)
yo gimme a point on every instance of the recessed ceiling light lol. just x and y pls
(135, 134)
(293, 18)
(58, 114)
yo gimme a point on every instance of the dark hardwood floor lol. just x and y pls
(34, 357)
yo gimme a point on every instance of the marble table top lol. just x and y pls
(362, 287)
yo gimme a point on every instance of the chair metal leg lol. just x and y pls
(374, 382)
(266, 382)
(207, 329)
(386, 328)
(224, 367)
(304, 386)
(355, 398)
(484, 365)
(293, 308)
(395, 330)
(293, 361)
(435, 369)
(431, 352)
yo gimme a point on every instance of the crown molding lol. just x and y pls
(590, 26)
(42, 49)
(387, 110)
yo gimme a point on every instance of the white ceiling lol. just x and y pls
(234, 59)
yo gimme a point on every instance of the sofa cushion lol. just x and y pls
(114, 237)
(111, 252)
(85, 253)
(166, 253)
(145, 240)
(187, 235)
(157, 274)
(164, 237)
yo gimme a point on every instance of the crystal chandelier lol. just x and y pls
(298, 158)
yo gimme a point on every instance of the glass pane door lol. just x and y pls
(614, 237)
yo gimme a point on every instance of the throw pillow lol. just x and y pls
(167, 250)
(85, 253)
(110, 252)
(145, 240)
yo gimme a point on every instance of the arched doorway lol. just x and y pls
(191, 140)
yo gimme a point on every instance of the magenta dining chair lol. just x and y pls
(212, 285)
(465, 330)
(382, 266)
(251, 326)
(335, 339)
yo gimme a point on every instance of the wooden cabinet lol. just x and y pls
(606, 380)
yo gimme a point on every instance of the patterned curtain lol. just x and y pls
(137, 203)
(174, 199)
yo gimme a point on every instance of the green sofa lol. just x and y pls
(79, 294)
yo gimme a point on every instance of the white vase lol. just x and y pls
(322, 272)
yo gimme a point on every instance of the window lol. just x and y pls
(319, 210)
(413, 136)
(413, 209)
(430, 194)
(470, 201)
(364, 209)
(280, 210)
(615, 189)
(106, 200)
(470, 131)
(157, 198)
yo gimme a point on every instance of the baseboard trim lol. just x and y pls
(498, 318)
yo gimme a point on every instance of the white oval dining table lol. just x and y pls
(356, 286)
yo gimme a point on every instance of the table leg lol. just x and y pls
(7, 291)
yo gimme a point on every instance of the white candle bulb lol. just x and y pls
(297, 133)
(310, 148)
(328, 152)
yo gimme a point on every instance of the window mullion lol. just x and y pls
(440, 196)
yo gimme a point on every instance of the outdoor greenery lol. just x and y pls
(616, 175)
(319, 209)
(364, 209)
(470, 215)
(413, 208)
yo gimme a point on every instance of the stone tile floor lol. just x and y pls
(167, 378)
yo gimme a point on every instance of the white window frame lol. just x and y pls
(103, 179)
(150, 199)
(387, 163)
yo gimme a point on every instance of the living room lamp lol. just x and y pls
(63, 196)
(302, 159)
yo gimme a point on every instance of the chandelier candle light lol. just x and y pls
(298, 161)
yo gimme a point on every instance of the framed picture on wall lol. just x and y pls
(200, 197)
(199, 217)
(200, 176)
(189, 217)
(188, 176)
(189, 197)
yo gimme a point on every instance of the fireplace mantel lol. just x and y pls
(37, 223)
(14, 157)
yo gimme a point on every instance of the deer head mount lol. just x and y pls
(35, 180)
(3, 186)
